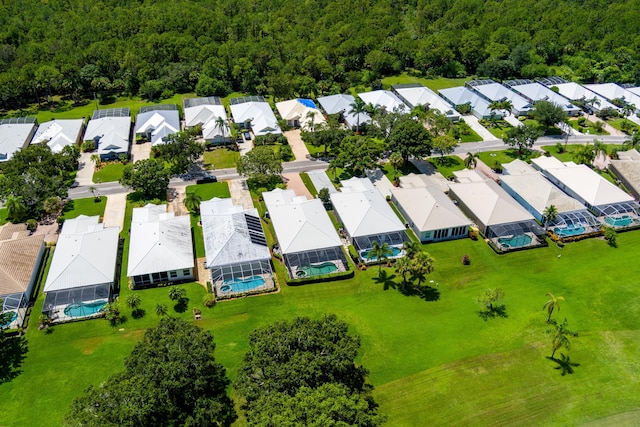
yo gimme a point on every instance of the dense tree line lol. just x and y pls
(285, 48)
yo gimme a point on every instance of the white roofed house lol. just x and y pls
(581, 94)
(20, 258)
(57, 134)
(15, 134)
(110, 130)
(499, 216)
(609, 203)
(254, 113)
(429, 212)
(368, 218)
(160, 249)
(307, 239)
(492, 91)
(537, 194)
(611, 91)
(460, 95)
(384, 99)
(300, 113)
(534, 92)
(415, 94)
(83, 269)
(209, 113)
(238, 257)
(627, 169)
(157, 122)
(342, 104)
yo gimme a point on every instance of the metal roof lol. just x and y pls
(159, 107)
(242, 100)
(111, 112)
(207, 100)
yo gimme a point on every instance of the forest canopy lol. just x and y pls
(286, 48)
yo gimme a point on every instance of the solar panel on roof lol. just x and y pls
(258, 239)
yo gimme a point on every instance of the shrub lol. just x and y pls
(286, 154)
(559, 148)
(32, 225)
(466, 260)
(582, 121)
(209, 300)
(88, 146)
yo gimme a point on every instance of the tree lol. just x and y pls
(550, 215)
(192, 202)
(421, 265)
(161, 309)
(522, 137)
(357, 108)
(409, 138)
(328, 405)
(222, 125)
(177, 293)
(133, 301)
(634, 142)
(493, 107)
(16, 210)
(548, 113)
(610, 235)
(584, 154)
(489, 302)
(180, 152)
(359, 153)
(444, 144)
(261, 165)
(600, 148)
(149, 177)
(379, 252)
(53, 205)
(170, 378)
(325, 136)
(471, 160)
(561, 337)
(324, 195)
(411, 248)
(286, 356)
(403, 268)
(552, 304)
(396, 161)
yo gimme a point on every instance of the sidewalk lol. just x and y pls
(473, 123)
(85, 170)
(114, 211)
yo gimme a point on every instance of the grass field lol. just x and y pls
(618, 124)
(421, 354)
(493, 158)
(447, 165)
(221, 158)
(433, 84)
(589, 127)
(109, 172)
(88, 206)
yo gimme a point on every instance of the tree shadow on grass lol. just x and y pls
(182, 305)
(565, 365)
(386, 280)
(12, 353)
(496, 311)
(138, 313)
(408, 289)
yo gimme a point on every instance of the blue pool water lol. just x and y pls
(620, 221)
(13, 316)
(394, 252)
(316, 269)
(515, 241)
(242, 285)
(569, 231)
(84, 309)
(307, 103)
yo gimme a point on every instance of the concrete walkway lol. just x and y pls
(321, 180)
(300, 150)
(240, 194)
(176, 196)
(294, 182)
(487, 171)
(114, 211)
(380, 181)
(474, 124)
(140, 151)
(85, 170)
(512, 120)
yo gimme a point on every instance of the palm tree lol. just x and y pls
(552, 304)
(471, 160)
(95, 158)
(311, 120)
(403, 268)
(584, 154)
(561, 337)
(599, 148)
(634, 142)
(550, 215)
(133, 301)
(177, 293)
(192, 202)
(161, 309)
(357, 108)
(493, 107)
(411, 248)
(222, 125)
(396, 161)
(421, 265)
(16, 209)
(628, 109)
(379, 252)
(507, 105)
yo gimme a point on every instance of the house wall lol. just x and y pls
(162, 277)
(34, 274)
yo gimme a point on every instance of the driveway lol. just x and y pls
(240, 194)
(300, 150)
(114, 211)
(473, 123)
(294, 182)
(321, 180)
(85, 170)
(176, 196)
(512, 120)
(140, 151)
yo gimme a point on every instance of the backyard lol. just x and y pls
(422, 353)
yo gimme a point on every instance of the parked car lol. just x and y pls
(247, 135)
(207, 179)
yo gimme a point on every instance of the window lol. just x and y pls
(173, 274)
(186, 272)
(141, 280)
(159, 277)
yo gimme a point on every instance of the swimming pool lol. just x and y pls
(569, 231)
(619, 221)
(14, 315)
(316, 269)
(394, 252)
(84, 309)
(515, 241)
(242, 285)
(307, 103)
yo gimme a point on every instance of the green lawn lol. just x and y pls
(3, 215)
(494, 158)
(499, 130)
(88, 206)
(618, 124)
(433, 84)
(221, 158)
(447, 165)
(550, 131)
(589, 127)
(206, 192)
(109, 172)
(471, 136)
(405, 169)
(421, 354)
(308, 183)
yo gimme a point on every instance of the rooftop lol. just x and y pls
(461, 95)
(110, 132)
(57, 134)
(429, 208)
(383, 98)
(19, 257)
(160, 123)
(300, 109)
(13, 137)
(539, 193)
(416, 94)
(258, 113)
(341, 103)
